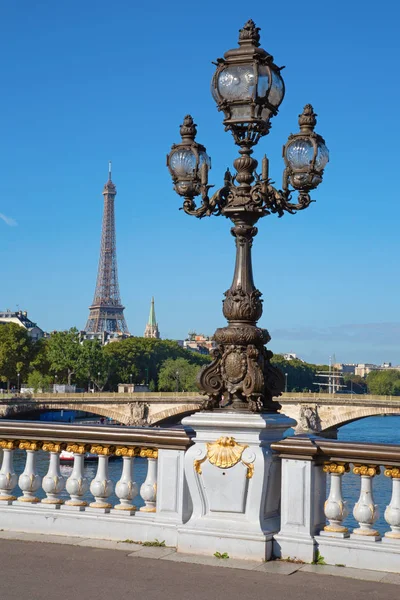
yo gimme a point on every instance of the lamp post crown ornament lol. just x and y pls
(248, 88)
(249, 34)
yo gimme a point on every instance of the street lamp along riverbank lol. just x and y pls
(248, 87)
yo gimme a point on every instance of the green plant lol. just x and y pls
(155, 543)
(319, 560)
(219, 555)
(129, 542)
(296, 561)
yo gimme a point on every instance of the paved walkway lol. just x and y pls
(47, 567)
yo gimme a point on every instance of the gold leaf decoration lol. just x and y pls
(336, 468)
(53, 447)
(102, 450)
(9, 444)
(393, 472)
(148, 453)
(124, 451)
(225, 452)
(76, 448)
(26, 445)
(366, 470)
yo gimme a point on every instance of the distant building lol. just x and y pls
(199, 343)
(105, 337)
(345, 368)
(20, 318)
(292, 356)
(130, 388)
(364, 369)
(151, 330)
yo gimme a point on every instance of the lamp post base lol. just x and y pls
(234, 483)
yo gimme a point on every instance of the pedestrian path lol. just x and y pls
(43, 567)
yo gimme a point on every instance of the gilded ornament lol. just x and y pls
(148, 453)
(336, 468)
(53, 447)
(366, 470)
(77, 448)
(393, 472)
(124, 451)
(102, 450)
(25, 445)
(9, 444)
(224, 454)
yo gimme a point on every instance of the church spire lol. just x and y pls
(151, 330)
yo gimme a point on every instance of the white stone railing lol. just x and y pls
(165, 505)
(313, 519)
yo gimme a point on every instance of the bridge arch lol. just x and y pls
(108, 412)
(340, 418)
(173, 414)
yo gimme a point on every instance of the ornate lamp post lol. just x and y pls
(248, 87)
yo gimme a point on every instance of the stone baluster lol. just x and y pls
(366, 511)
(77, 484)
(29, 481)
(392, 512)
(335, 507)
(53, 482)
(126, 488)
(101, 486)
(8, 479)
(148, 490)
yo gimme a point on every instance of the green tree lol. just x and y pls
(15, 353)
(64, 352)
(38, 381)
(300, 375)
(142, 358)
(355, 383)
(178, 375)
(385, 383)
(95, 364)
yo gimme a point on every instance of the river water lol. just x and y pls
(385, 430)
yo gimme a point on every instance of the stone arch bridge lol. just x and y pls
(314, 413)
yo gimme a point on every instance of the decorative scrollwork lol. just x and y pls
(393, 472)
(9, 444)
(366, 470)
(26, 445)
(336, 468)
(102, 450)
(53, 447)
(77, 448)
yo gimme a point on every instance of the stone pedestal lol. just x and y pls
(234, 484)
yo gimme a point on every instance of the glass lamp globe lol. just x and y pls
(305, 153)
(187, 161)
(247, 86)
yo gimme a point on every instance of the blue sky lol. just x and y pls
(85, 82)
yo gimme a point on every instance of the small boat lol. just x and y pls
(67, 458)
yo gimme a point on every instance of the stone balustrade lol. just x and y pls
(226, 482)
(313, 514)
(65, 498)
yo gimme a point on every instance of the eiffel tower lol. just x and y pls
(106, 312)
